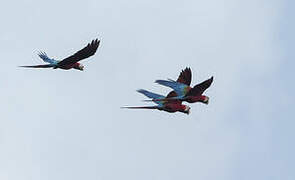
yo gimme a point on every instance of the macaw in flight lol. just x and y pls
(71, 61)
(166, 104)
(185, 92)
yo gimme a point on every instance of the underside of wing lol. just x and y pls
(84, 53)
(151, 95)
(200, 88)
(180, 88)
(185, 76)
(39, 66)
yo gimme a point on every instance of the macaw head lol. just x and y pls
(201, 98)
(78, 66)
(205, 99)
(186, 109)
(81, 67)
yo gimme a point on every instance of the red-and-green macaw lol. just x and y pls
(185, 92)
(71, 61)
(164, 105)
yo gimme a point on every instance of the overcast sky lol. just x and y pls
(57, 124)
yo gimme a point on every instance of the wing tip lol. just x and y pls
(140, 90)
(158, 81)
(95, 43)
(212, 78)
(187, 69)
(164, 82)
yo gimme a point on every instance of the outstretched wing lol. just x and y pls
(180, 88)
(45, 58)
(152, 95)
(200, 88)
(39, 66)
(185, 76)
(84, 53)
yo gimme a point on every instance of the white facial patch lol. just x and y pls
(187, 109)
(81, 67)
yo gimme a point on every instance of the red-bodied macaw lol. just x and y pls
(71, 61)
(185, 92)
(165, 105)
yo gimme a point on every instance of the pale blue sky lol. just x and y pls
(68, 125)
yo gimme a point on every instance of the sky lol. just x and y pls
(58, 124)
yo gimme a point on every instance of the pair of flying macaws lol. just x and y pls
(171, 103)
(181, 92)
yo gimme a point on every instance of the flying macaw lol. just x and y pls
(165, 105)
(185, 92)
(71, 61)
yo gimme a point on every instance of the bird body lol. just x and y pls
(70, 66)
(71, 62)
(169, 108)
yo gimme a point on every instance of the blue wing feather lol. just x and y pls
(179, 88)
(152, 95)
(45, 58)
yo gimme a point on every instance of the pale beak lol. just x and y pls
(206, 101)
(81, 67)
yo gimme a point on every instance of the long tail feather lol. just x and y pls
(39, 66)
(140, 107)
